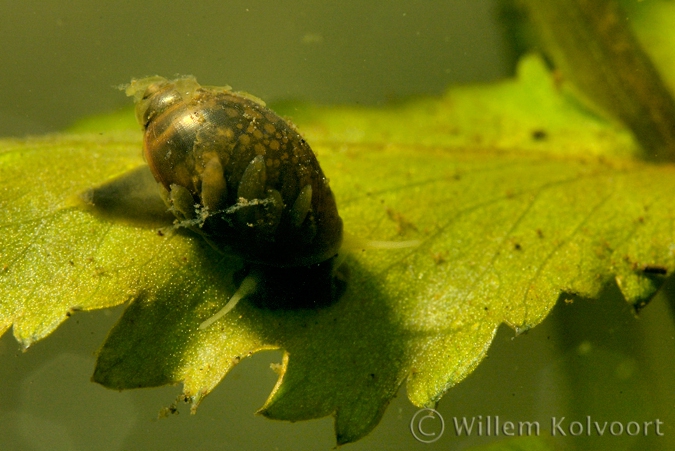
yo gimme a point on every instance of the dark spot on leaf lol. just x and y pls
(655, 269)
(403, 225)
(160, 233)
(439, 258)
(539, 135)
(540, 234)
(517, 247)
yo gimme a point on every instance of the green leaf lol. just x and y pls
(516, 193)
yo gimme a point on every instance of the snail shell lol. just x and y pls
(237, 173)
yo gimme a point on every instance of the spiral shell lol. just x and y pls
(236, 172)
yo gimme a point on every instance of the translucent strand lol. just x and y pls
(248, 286)
(351, 243)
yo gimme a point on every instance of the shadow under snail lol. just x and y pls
(235, 172)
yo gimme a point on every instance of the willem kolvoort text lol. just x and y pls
(559, 427)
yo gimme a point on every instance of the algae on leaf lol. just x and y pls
(512, 207)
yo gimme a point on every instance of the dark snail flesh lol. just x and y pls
(241, 176)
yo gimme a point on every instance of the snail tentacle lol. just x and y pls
(248, 286)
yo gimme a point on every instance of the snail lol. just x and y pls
(235, 172)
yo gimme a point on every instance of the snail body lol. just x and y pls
(237, 173)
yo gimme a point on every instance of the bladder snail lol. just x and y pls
(238, 174)
(242, 175)
(233, 171)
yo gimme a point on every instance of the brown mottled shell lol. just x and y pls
(232, 169)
